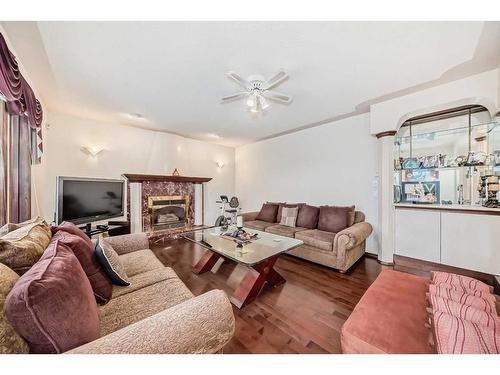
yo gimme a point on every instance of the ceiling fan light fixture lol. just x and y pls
(252, 99)
(263, 103)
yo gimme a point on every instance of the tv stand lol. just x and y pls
(113, 228)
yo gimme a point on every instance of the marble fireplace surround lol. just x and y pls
(141, 186)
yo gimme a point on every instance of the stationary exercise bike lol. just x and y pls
(227, 215)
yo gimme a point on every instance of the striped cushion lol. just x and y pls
(289, 216)
(457, 336)
(464, 281)
(459, 288)
(464, 298)
(464, 312)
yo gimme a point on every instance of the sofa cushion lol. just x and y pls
(142, 280)
(52, 306)
(10, 341)
(258, 224)
(308, 217)
(85, 253)
(139, 262)
(317, 238)
(110, 262)
(457, 336)
(284, 230)
(142, 303)
(22, 248)
(335, 219)
(390, 317)
(289, 216)
(268, 213)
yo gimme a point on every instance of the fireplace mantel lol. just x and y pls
(154, 177)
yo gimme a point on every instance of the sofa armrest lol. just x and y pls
(249, 216)
(200, 325)
(128, 243)
(353, 236)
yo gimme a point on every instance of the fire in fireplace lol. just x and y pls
(168, 211)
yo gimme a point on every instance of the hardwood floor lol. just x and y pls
(304, 315)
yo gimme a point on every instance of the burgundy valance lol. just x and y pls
(18, 93)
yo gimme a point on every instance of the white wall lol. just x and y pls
(334, 163)
(126, 150)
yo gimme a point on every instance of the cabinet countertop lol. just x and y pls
(474, 209)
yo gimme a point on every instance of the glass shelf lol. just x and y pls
(449, 138)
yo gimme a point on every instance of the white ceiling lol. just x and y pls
(173, 73)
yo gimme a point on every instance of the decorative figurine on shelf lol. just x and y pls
(175, 172)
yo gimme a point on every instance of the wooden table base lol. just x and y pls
(253, 282)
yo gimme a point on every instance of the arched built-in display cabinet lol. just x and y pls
(446, 171)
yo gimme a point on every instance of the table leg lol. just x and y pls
(254, 281)
(206, 262)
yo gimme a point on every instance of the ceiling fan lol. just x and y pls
(257, 90)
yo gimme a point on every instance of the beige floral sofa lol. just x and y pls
(336, 250)
(155, 314)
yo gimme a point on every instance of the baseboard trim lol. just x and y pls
(424, 268)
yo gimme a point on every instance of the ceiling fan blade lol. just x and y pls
(238, 79)
(236, 96)
(277, 96)
(277, 79)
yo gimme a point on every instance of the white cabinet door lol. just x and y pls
(471, 241)
(418, 234)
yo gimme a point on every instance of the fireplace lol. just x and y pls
(168, 211)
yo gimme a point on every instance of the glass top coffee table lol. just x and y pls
(259, 256)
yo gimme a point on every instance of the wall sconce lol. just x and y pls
(91, 150)
(220, 164)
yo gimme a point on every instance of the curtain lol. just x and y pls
(16, 91)
(3, 163)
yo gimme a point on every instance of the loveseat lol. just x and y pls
(339, 250)
(156, 313)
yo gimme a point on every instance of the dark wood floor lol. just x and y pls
(304, 315)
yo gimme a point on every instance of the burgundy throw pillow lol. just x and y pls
(334, 218)
(308, 217)
(71, 228)
(268, 213)
(287, 205)
(99, 280)
(52, 306)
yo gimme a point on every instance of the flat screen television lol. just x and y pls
(85, 200)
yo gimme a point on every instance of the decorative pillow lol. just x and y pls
(85, 252)
(110, 261)
(464, 281)
(464, 312)
(464, 298)
(308, 217)
(335, 219)
(268, 213)
(289, 216)
(457, 336)
(460, 288)
(9, 227)
(52, 305)
(22, 248)
(286, 205)
(10, 342)
(69, 227)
